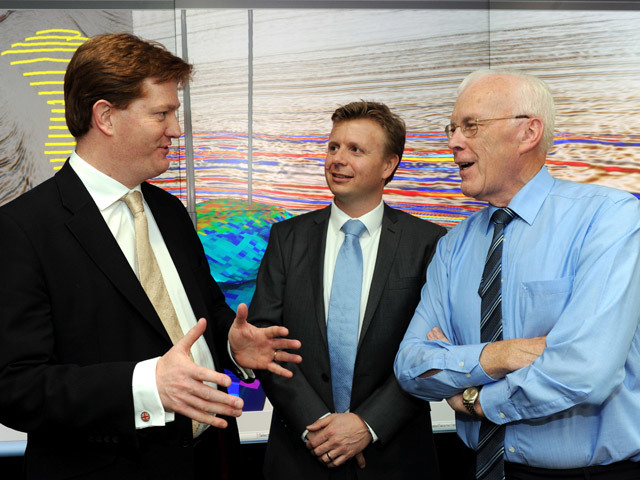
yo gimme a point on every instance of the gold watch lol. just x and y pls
(469, 397)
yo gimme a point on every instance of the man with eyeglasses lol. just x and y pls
(528, 322)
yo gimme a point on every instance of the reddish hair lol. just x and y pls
(113, 67)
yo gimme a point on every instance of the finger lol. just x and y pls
(203, 374)
(286, 344)
(206, 408)
(284, 356)
(205, 398)
(337, 459)
(279, 370)
(317, 445)
(360, 460)
(214, 398)
(278, 333)
(203, 417)
(435, 334)
(192, 335)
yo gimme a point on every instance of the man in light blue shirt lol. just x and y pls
(563, 379)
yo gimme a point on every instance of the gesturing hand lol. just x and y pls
(181, 388)
(261, 348)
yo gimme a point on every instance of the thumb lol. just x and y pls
(360, 459)
(318, 424)
(241, 315)
(192, 335)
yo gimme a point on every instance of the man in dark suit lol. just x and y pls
(383, 433)
(91, 364)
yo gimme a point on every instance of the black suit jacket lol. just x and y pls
(74, 321)
(290, 292)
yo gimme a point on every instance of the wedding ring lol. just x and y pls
(329, 457)
(275, 355)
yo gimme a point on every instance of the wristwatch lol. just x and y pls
(469, 397)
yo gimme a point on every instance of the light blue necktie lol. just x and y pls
(344, 314)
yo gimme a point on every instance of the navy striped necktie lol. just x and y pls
(490, 460)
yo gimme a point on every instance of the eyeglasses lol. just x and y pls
(469, 129)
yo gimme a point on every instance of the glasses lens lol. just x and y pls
(470, 129)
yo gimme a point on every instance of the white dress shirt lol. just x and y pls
(369, 241)
(106, 193)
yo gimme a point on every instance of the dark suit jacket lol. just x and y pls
(290, 293)
(74, 321)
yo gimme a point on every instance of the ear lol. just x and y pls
(532, 136)
(101, 116)
(391, 163)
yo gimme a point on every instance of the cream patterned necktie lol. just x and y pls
(149, 271)
(150, 274)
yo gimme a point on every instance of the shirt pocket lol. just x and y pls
(541, 304)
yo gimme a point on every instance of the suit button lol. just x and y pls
(324, 377)
(186, 442)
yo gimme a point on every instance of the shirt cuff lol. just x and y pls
(373, 434)
(245, 373)
(147, 406)
(494, 407)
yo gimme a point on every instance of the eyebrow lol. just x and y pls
(167, 106)
(467, 119)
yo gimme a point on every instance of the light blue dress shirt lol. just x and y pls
(571, 271)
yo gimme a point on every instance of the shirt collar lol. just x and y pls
(104, 190)
(528, 201)
(372, 220)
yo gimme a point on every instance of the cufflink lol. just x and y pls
(145, 417)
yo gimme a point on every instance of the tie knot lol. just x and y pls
(353, 227)
(134, 202)
(503, 216)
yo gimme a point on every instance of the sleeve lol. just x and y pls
(36, 390)
(147, 406)
(587, 348)
(449, 368)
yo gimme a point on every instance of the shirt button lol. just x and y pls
(468, 375)
(145, 417)
(502, 415)
(511, 449)
(461, 364)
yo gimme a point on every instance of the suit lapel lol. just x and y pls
(91, 231)
(389, 239)
(173, 236)
(317, 240)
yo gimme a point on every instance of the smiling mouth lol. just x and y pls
(464, 166)
(339, 175)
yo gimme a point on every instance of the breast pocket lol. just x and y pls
(542, 303)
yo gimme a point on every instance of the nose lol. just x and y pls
(456, 139)
(336, 156)
(173, 126)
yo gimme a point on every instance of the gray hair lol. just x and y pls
(533, 98)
